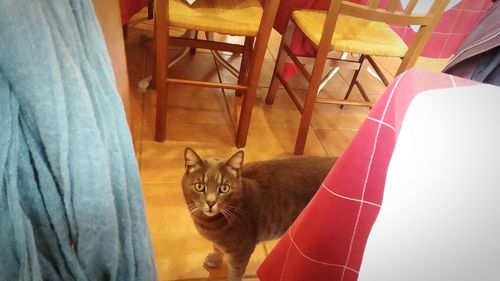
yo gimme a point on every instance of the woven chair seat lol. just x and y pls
(352, 35)
(232, 17)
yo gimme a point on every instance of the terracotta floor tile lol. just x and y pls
(335, 141)
(274, 43)
(368, 82)
(265, 76)
(269, 245)
(325, 116)
(220, 134)
(179, 251)
(329, 116)
(282, 113)
(136, 103)
(335, 84)
(188, 104)
(200, 66)
(390, 64)
(266, 142)
(267, 72)
(164, 162)
(432, 64)
(374, 97)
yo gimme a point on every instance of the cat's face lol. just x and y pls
(212, 187)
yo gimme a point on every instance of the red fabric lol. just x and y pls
(455, 24)
(328, 239)
(445, 39)
(128, 8)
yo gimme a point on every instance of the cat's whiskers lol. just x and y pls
(233, 217)
(227, 215)
(193, 208)
(236, 209)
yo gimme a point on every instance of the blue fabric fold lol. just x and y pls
(71, 205)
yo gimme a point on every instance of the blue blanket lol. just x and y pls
(71, 206)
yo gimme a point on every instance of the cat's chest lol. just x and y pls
(219, 231)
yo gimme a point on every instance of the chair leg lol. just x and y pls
(378, 70)
(150, 9)
(245, 61)
(280, 62)
(305, 120)
(254, 71)
(192, 50)
(125, 31)
(161, 46)
(354, 79)
(315, 81)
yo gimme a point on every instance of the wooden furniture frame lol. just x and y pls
(250, 69)
(324, 56)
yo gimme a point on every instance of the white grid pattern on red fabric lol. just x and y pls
(440, 44)
(334, 251)
(349, 198)
(452, 28)
(367, 176)
(382, 122)
(286, 259)
(315, 260)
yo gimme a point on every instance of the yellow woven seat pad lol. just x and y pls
(232, 17)
(352, 35)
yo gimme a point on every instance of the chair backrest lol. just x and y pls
(388, 13)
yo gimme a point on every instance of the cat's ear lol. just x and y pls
(193, 161)
(234, 163)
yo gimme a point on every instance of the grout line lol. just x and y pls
(266, 251)
(321, 142)
(271, 53)
(381, 64)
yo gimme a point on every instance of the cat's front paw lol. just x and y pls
(213, 260)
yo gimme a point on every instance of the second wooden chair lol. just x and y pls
(347, 27)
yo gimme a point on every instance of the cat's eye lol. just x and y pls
(225, 188)
(199, 187)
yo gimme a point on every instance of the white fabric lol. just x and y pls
(440, 216)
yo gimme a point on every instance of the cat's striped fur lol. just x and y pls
(236, 206)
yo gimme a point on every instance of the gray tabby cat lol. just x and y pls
(236, 206)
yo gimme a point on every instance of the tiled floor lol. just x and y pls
(204, 119)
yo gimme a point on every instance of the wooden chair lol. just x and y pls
(247, 18)
(349, 28)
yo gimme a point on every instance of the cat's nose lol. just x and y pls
(210, 204)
